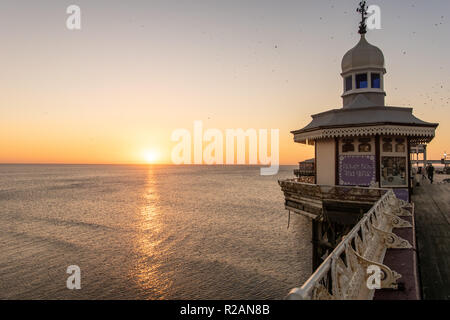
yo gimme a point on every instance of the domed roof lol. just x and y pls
(363, 55)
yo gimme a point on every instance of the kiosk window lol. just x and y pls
(361, 81)
(393, 171)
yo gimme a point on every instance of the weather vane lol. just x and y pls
(363, 10)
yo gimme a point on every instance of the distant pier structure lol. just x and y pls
(306, 171)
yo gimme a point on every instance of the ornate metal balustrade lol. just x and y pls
(343, 274)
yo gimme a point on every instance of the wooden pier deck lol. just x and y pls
(432, 206)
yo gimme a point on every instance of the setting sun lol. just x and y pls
(151, 156)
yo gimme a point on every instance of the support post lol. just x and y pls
(377, 160)
(408, 149)
(336, 162)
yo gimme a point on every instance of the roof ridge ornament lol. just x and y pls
(363, 11)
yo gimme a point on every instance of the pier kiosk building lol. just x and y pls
(365, 143)
(359, 201)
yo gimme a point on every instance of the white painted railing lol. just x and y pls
(343, 275)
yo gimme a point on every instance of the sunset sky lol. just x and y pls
(114, 91)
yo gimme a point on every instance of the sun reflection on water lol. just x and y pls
(148, 244)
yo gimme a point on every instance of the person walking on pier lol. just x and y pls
(430, 171)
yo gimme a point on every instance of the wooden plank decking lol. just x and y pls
(432, 205)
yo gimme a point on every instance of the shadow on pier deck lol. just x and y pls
(432, 205)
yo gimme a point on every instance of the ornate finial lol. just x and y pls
(363, 10)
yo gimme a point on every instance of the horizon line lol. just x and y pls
(136, 164)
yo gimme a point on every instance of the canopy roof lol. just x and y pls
(362, 118)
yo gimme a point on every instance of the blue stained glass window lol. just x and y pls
(348, 83)
(376, 80)
(361, 81)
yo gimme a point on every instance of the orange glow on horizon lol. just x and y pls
(127, 80)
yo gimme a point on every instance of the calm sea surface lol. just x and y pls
(148, 232)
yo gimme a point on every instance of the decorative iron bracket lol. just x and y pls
(393, 241)
(389, 277)
(399, 207)
(398, 222)
(400, 212)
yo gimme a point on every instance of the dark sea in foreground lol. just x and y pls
(148, 232)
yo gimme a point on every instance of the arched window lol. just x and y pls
(348, 145)
(387, 145)
(364, 145)
(400, 145)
